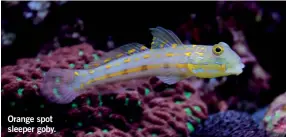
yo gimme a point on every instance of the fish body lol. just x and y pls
(168, 59)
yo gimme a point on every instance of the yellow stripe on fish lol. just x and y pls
(134, 70)
(157, 66)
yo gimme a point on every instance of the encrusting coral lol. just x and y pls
(229, 124)
(275, 118)
(147, 107)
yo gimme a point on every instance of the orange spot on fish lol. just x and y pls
(131, 51)
(76, 73)
(96, 64)
(107, 60)
(146, 56)
(125, 72)
(119, 55)
(143, 48)
(108, 66)
(188, 53)
(174, 46)
(91, 71)
(127, 60)
(144, 68)
(169, 54)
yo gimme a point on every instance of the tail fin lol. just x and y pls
(57, 86)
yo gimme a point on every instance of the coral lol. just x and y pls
(37, 11)
(229, 124)
(146, 107)
(7, 38)
(275, 118)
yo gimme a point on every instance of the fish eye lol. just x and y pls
(217, 49)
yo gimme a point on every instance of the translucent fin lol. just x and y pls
(125, 50)
(164, 38)
(169, 79)
(57, 86)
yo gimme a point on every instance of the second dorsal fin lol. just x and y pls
(122, 51)
(164, 38)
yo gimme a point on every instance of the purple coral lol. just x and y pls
(229, 124)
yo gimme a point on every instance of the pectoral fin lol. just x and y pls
(169, 79)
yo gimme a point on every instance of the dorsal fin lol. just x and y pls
(122, 51)
(164, 38)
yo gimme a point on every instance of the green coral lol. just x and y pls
(190, 127)
(85, 66)
(56, 92)
(139, 103)
(74, 105)
(178, 102)
(154, 135)
(197, 108)
(187, 94)
(196, 119)
(95, 57)
(19, 79)
(126, 101)
(88, 102)
(100, 100)
(79, 124)
(72, 65)
(20, 91)
(188, 111)
(57, 79)
(147, 91)
(80, 53)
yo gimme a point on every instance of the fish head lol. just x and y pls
(225, 56)
(216, 61)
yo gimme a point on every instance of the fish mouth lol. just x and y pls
(238, 69)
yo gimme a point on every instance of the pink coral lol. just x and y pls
(147, 106)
